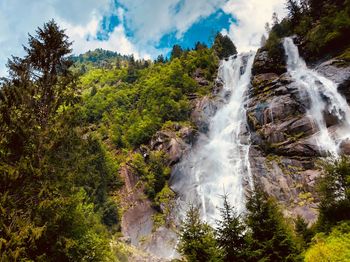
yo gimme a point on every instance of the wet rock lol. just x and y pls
(338, 71)
(137, 219)
(263, 80)
(344, 147)
(263, 63)
(174, 143)
(330, 119)
(204, 109)
(301, 127)
(126, 240)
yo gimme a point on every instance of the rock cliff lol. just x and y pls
(284, 154)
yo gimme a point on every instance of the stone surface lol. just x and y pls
(204, 109)
(137, 219)
(338, 71)
(284, 149)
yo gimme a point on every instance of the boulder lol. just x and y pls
(174, 143)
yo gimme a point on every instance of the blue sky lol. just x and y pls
(145, 28)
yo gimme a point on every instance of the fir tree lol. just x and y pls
(270, 239)
(197, 240)
(223, 46)
(230, 233)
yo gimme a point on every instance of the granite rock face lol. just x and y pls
(284, 151)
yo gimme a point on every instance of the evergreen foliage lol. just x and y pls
(197, 240)
(322, 26)
(223, 46)
(270, 239)
(52, 181)
(230, 233)
(334, 193)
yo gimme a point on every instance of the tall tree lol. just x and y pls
(197, 241)
(230, 233)
(270, 238)
(176, 52)
(223, 46)
(45, 214)
(334, 193)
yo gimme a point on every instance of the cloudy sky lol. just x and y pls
(145, 28)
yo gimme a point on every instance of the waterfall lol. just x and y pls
(219, 163)
(324, 97)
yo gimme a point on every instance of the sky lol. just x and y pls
(145, 28)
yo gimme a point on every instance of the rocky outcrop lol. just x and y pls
(174, 141)
(137, 217)
(265, 63)
(284, 149)
(339, 71)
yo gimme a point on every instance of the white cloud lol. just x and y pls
(148, 21)
(81, 18)
(252, 16)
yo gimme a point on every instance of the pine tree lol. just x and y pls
(270, 239)
(223, 46)
(334, 193)
(302, 231)
(176, 52)
(230, 233)
(197, 240)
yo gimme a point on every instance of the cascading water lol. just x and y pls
(219, 163)
(324, 97)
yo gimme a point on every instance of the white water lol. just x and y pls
(219, 163)
(324, 96)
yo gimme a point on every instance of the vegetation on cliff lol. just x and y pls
(322, 28)
(65, 131)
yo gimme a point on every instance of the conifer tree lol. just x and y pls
(230, 233)
(197, 240)
(176, 52)
(270, 239)
(223, 46)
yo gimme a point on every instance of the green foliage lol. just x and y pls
(197, 240)
(324, 25)
(270, 239)
(223, 46)
(230, 233)
(334, 193)
(176, 52)
(263, 235)
(303, 232)
(332, 247)
(131, 110)
(54, 177)
(153, 171)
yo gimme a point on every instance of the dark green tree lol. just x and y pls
(230, 233)
(132, 70)
(270, 239)
(160, 59)
(176, 52)
(303, 231)
(197, 240)
(334, 193)
(200, 46)
(46, 209)
(223, 46)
